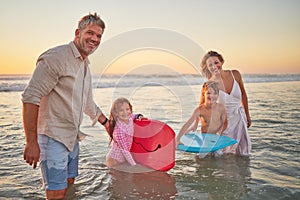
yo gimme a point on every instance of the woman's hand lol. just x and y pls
(248, 122)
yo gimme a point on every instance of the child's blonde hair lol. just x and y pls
(209, 84)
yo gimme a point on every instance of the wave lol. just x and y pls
(261, 78)
(10, 83)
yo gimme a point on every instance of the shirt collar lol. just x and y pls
(123, 123)
(76, 52)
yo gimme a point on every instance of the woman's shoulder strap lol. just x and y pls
(232, 74)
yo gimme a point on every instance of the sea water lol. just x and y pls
(271, 172)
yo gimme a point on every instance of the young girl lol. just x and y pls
(212, 115)
(121, 133)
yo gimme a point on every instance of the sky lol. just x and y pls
(254, 36)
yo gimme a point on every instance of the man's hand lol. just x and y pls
(32, 154)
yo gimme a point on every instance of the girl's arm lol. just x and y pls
(137, 116)
(187, 124)
(122, 141)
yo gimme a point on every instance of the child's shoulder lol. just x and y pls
(201, 106)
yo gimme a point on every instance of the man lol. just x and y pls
(54, 101)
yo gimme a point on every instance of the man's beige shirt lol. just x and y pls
(62, 87)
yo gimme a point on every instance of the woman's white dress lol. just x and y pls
(237, 121)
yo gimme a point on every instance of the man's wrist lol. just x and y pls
(105, 121)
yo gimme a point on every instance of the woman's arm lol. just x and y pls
(239, 79)
(223, 118)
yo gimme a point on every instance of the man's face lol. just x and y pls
(87, 40)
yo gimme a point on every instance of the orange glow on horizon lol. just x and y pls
(149, 61)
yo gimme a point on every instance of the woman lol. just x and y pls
(234, 97)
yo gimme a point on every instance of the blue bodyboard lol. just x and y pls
(204, 142)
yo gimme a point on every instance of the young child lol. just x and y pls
(121, 133)
(212, 115)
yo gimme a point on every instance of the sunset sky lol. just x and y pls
(254, 36)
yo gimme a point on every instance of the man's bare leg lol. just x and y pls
(71, 181)
(55, 194)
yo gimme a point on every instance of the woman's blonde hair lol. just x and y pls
(204, 69)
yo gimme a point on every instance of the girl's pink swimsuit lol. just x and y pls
(122, 140)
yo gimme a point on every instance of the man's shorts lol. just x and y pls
(57, 163)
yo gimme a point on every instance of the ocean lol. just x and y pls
(271, 172)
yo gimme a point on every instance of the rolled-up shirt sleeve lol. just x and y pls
(95, 114)
(43, 80)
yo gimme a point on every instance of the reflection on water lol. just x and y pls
(230, 175)
(213, 178)
(150, 185)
